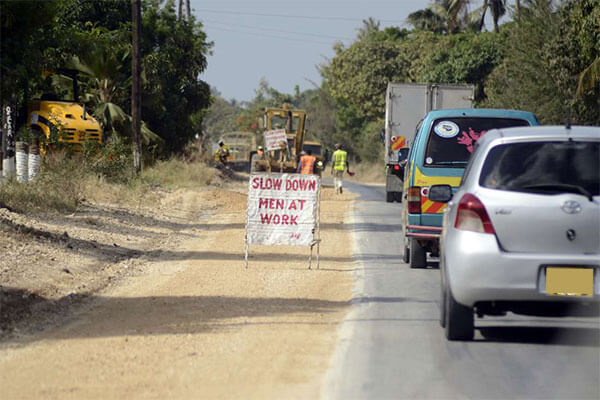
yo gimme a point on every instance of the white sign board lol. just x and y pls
(274, 138)
(282, 209)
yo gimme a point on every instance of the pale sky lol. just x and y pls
(284, 40)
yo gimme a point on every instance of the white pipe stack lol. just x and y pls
(22, 162)
(8, 167)
(34, 159)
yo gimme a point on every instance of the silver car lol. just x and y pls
(522, 233)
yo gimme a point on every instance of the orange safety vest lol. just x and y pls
(307, 164)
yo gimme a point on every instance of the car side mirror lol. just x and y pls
(440, 193)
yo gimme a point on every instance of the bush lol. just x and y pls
(111, 160)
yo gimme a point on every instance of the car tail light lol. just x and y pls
(472, 216)
(397, 167)
(414, 200)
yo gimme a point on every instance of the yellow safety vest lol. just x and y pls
(339, 160)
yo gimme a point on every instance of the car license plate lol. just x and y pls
(578, 282)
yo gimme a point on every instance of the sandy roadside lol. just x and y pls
(193, 323)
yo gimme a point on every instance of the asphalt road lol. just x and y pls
(392, 346)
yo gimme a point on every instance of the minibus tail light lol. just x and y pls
(414, 200)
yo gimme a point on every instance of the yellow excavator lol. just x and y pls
(68, 119)
(286, 158)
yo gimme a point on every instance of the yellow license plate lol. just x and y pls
(578, 282)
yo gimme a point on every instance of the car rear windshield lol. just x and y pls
(451, 140)
(544, 167)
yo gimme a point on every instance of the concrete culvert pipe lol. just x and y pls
(34, 159)
(22, 159)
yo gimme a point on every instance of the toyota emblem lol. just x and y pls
(571, 207)
(571, 235)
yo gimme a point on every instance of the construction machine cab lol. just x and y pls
(68, 118)
(293, 121)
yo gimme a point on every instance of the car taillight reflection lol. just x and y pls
(414, 200)
(472, 216)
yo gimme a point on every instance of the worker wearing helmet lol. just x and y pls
(221, 154)
(307, 163)
(338, 166)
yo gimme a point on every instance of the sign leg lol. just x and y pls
(246, 256)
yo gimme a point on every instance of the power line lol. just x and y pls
(267, 35)
(292, 16)
(278, 30)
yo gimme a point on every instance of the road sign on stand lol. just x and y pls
(283, 209)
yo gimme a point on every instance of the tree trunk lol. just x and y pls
(187, 6)
(136, 106)
(518, 9)
(180, 17)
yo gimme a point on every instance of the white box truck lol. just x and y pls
(405, 105)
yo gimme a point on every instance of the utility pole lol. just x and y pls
(136, 106)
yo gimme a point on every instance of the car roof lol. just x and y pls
(480, 112)
(541, 132)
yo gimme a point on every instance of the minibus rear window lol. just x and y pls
(451, 140)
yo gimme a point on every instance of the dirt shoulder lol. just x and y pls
(165, 307)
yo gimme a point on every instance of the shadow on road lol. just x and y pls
(542, 335)
(172, 315)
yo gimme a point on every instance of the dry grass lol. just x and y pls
(177, 173)
(368, 172)
(57, 187)
(64, 182)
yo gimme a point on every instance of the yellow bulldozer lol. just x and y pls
(285, 156)
(67, 119)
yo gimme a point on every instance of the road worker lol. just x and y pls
(307, 163)
(339, 164)
(221, 154)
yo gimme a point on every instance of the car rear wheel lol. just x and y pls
(458, 319)
(443, 316)
(389, 197)
(417, 255)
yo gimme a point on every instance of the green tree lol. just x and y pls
(107, 64)
(174, 98)
(427, 20)
(544, 53)
(460, 58)
(221, 117)
(29, 35)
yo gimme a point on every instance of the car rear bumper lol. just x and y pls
(477, 270)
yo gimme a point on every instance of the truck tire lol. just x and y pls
(398, 197)
(389, 197)
(418, 255)
(406, 255)
(459, 319)
(253, 161)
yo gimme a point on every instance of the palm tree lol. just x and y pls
(426, 20)
(369, 25)
(454, 12)
(589, 77)
(498, 9)
(108, 68)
